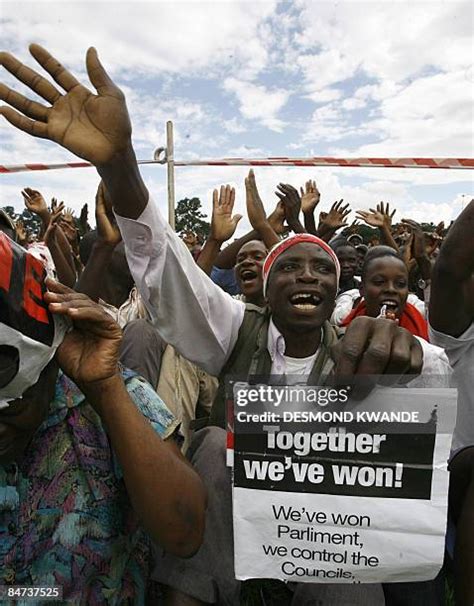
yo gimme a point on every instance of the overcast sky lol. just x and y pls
(253, 79)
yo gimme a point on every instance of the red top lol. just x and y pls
(411, 319)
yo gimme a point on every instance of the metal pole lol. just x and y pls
(170, 172)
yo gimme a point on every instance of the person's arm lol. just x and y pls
(223, 226)
(63, 243)
(64, 270)
(36, 204)
(256, 213)
(188, 309)
(419, 248)
(166, 493)
(451, 276)
(108, 237)
(380, 217)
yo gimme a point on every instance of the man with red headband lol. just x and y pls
(202, 322)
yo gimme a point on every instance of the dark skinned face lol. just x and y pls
(360, 261)
(248, 269)
(20, 420)
(302, 288)
(348, 260)
(385, 283)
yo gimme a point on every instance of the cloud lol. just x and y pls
(258, 102)
(387, 40)
(432, 116)
(144, 38)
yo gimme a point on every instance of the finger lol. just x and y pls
(31, 127)
(352, 347)
(301, 192)
(95, 321)
(215, 199)
(56, 287)
(100, 79)
(227, 195)
(400, 357)
(286, 187)
(236, 219)
(26, 106)
(87, 313)
(232, 197)
(61, 306)
(29, 77)
(221, 195)
(416, 363)
(60, 74)
(376, 356)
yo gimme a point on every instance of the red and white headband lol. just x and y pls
(279, 248)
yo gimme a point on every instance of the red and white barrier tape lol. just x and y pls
(451, 163)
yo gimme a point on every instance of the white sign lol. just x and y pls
(342, 492)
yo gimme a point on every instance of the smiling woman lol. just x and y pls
(384, 290)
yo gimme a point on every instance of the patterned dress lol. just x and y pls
(65, 516)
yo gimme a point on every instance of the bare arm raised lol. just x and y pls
(95, 127)
(452, 278)
(187, 307)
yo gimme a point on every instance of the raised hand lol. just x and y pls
(89, 352)
(56, 210)
(223, 224)
(34, 201)
(257, 215)
(277, 219)
(335, 218)
(418, 238)
(310, 197)
(378, 217)
(107, 229)
(95, 127)
(83, 219)
(291, 200)
(21, 233)
(255, 209)
(69, 216)
(70, 232)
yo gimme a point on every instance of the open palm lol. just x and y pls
(93, 126)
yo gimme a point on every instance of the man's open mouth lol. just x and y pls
(305, 301)
(247, 275)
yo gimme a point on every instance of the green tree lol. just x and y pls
(188, 217)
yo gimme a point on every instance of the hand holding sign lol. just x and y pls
(89, 353)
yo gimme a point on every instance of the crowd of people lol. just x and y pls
(113, 476)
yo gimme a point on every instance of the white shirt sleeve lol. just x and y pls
(436, 370)
(418, 303)
(343, 307)
(189, 311)
(457, 348)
